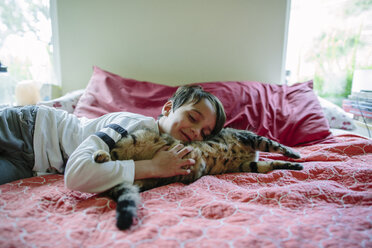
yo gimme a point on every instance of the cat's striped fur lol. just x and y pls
(231, 150)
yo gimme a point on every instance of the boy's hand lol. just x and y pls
(165, 163)
(168, 163)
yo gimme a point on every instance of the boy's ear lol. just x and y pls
(167, 108)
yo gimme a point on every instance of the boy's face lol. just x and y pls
(189, 122)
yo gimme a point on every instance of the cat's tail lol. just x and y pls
(127, 199)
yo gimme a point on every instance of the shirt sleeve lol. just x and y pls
(84, 174)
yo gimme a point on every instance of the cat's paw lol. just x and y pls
(296, 166)
(292, 154)
(101, 156)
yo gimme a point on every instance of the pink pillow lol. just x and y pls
(108, 92)
(290, 115)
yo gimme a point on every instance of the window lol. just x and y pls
(25, 45)
(328, 40)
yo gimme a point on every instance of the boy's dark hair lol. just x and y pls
(194, 94)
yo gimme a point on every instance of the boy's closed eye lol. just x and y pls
(192, 118)
(195, 115)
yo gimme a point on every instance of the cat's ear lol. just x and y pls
(167, 108)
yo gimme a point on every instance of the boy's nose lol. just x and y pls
(196, 134)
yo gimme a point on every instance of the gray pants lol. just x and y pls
(17, 158)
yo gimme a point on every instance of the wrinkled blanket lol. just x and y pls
(328, 204)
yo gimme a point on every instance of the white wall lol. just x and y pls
(172, 41)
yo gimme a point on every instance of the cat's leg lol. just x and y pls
(264, 144)
(286, 151)
(267, 166)
(127, 198)
(101, 156)
(267, 145)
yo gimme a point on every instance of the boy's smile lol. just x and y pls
(189, 122)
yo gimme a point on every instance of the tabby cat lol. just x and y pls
(231, 150)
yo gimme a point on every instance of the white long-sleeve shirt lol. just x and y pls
(60, 137)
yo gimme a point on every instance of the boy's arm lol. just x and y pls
(84, 174)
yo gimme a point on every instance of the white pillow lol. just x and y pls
(336, 116)
(67, 102)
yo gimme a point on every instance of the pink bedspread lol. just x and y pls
(328, 204)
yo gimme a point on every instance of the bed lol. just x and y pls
(327, 204)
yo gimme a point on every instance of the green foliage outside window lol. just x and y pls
(21, 19)
(341, 47)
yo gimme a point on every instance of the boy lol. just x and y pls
(45, 138)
